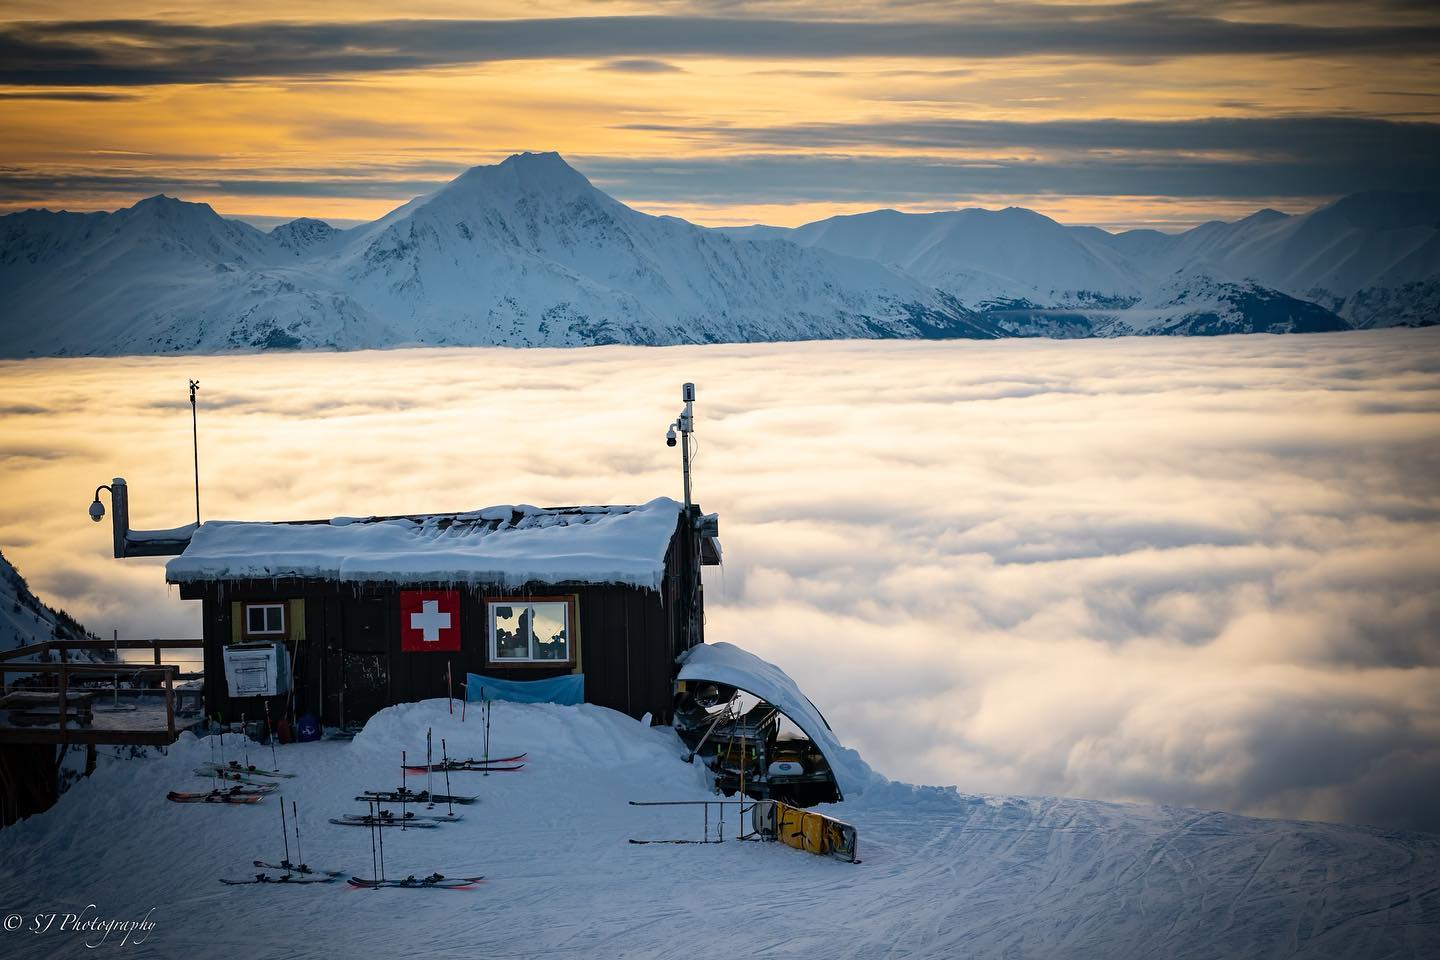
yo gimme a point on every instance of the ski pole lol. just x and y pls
(270, 730)
(487, 731)
(381, 830)
(285, 834)
(296, 819)
(445, 759)
(374, 863)
(430, 764)
(402, 796)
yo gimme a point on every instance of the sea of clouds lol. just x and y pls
(1202, 572)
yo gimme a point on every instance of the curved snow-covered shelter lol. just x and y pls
(727, 664)
(340, 618)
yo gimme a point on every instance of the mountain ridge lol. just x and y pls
(528, 252)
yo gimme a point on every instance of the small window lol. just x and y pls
(264, 619)
(531, 631)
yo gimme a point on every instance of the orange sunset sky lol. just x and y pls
(1159, 114)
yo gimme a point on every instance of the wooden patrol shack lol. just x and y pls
(341, 618)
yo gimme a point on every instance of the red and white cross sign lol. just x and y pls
(429, 620)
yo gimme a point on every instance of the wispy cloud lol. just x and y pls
(640, 66)
(123, 52)
(73, 96)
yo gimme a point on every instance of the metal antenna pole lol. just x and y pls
(195, 444)
(687, 425)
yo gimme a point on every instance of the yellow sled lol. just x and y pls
(806, 830)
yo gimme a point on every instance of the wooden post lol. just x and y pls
(60, 693)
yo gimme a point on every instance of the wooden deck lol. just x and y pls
(150, 724)
(77, 706)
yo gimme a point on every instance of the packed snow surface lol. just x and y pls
(945, 874)
(507, 545)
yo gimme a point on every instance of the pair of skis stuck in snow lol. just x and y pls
(434, 881)
(243, 789)
(294, 873)
(247, 783)
(378, 817)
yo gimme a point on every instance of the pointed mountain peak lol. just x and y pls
(168, 207)
(524, 172)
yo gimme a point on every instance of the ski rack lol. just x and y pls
(772, 821)
(746, 806)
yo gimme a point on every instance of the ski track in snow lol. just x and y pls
(944, 874)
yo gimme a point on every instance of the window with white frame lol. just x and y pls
(264, 619)
(537, 630)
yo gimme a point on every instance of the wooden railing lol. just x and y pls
(63, 648)
(66, 671)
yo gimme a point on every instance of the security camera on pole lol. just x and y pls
(685, 424)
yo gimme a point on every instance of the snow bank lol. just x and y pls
(944, 874)
(728, 664)
(500, 545)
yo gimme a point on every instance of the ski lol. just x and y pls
(475, 767)
(286, 880)
(245, 786)
(214, 796)
(301, 868)
(634, 841)
(408, 817)
(231, 777)
(471, 764)
(368, 821)
(412, 796)
(235, 766)
(433, 882)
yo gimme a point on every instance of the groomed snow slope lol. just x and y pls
(944, 874)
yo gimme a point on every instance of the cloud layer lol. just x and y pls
(121, 52)
(1197, 573)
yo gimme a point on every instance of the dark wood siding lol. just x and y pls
(625, 638)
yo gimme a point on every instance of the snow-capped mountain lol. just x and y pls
(529, 253)
(523, 253)
(984, 255)
(1365, 260)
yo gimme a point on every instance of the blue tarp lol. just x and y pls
(569, 689)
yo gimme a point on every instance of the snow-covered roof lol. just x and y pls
(505, 545)
(728, 664)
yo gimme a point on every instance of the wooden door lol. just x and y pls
(364, 659)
